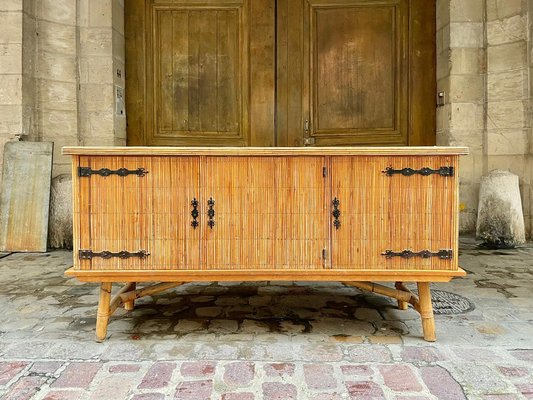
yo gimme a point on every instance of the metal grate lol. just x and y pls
(446, 303)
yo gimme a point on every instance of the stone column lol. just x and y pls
(101, 52)
(461, 75)
(11, 21)
(508, 94)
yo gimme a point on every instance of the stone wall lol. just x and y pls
(483, 67)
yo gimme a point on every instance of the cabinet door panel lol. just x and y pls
(133, 213)
(270, 212)
(302, 208)
(244, 193)
(380, 213)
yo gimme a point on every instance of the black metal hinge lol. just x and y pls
(442, 254)
(87, 171)
(89, 254)
(325, 172)
(442, 171)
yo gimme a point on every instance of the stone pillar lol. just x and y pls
(508, 94)
(101, 52)
(461, 75)
(56, 77)
(11, 33)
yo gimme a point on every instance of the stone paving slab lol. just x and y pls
(265, 340)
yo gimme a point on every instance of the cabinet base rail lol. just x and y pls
(127, 295)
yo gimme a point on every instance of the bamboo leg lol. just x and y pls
(402, 305)
(426, 311)
(102, 316)
(130, 304)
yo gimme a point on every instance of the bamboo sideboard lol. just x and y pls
(348, 214)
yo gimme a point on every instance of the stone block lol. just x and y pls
(60, 225)
(500, 218)
(320, 376)
(77, 375)
(101, 124)
(466, 34)
(506, 57)
(194, 390)
(10, 89)
(97, 70)
(467, 116)
(11, 5)
(507, 30)
(57, 38)
(56, 67)
(11, 58)
(98, 98)
(443, 13)
(507, 141)
(100, 13)
(472, 138)
(118, 16)
(443, 38)
(467, 61)
(119, 46)
(507, 85)
(11, 23)
(506, 114)
(466, 11)
(61, 11)
(466, 88)
(60, 96)
(499, 9)
(158, 376)
(444, 116)
(58, 124)
(96, 41)
(239, 374)
(444, 65)
(11, 121)
(441, 384)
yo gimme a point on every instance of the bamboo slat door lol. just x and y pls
(270, 212)
(381, 212)
(133, 213)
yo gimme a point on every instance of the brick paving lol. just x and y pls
(277, 340)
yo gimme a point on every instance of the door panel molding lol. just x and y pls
(200, 73)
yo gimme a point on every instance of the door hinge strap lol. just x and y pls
(442, 171)
(324, 254)
(87, 171)
(442, 254)
(89, 254)
(325, 172)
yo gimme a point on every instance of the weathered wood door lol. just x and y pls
(280, 72)
(200, 72)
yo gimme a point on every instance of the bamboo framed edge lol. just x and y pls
(263, 275)
(264, 151)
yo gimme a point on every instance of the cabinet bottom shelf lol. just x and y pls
(263, 275)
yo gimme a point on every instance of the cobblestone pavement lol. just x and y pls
(277, 340)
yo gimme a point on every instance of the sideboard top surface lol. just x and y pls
(266, 151)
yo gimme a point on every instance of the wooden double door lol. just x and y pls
(280, 72)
